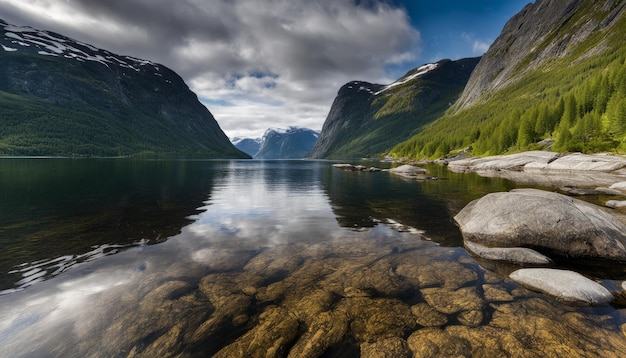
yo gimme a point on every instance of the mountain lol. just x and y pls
(59, 96)
(249, 146)
(555, 74)
(368, 119)
(290, 143)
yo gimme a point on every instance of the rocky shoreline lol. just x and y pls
(532, 227)
(548, 169)
(526, 226)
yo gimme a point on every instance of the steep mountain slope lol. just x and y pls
(290, 143)
(555, 72)
(249, 146)
(367, 119)
(59, 96)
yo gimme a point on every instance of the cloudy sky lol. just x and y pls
(274, 63)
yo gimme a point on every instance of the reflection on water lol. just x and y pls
(284, 258)
(58, 212)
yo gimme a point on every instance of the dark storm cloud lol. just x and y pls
(276, 59)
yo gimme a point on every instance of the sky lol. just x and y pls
(258, 64)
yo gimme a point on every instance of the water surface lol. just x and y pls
(122, 258)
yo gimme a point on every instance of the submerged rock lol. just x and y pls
(516, 255)
(564, 285)
(407, 169)
(324, 331)
(356, 168)
(427, 316)
(387, 348)
(272, 337)
(410, 171)
(617, 204)
(543, 220)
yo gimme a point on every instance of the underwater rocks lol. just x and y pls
(406, 171)
(397, 297)
(356, 168)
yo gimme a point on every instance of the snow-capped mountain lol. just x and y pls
(59, 96)
(249, 146)
(280, 143)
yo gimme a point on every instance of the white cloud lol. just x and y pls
(275, 63)
(479, 46)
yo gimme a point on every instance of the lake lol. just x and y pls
(195, 258)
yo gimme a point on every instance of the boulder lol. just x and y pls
(564, 285)
(502, 162)
(548, 169)
(609, 191)
(408, 170)
(544, 221)
(516, 255)
(581, 162)
(621, 186)
(617, 204)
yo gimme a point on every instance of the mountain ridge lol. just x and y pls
(59, 96)
(368, 119)
(284, 143)
(559, 80)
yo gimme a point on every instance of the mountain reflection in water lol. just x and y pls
(289, 258)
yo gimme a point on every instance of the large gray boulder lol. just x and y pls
(564, 285)
(544, 221)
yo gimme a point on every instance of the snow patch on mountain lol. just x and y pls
(237, 140)
(288, 130)
(27, 39)
(422, 70)
(8, 49)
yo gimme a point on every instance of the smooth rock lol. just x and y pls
(408, 171)
(548, 169)
(609, 191)
(621, 186)
(616, 204)
(502, 162)
(543, 220)
(344, 166)
(581, 162)
(516, 255)
(564, 285)
(580, 191)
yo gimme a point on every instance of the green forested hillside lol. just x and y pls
(368, 119)
(59, 97)
(578, 100)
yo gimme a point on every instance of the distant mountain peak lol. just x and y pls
(279, 143)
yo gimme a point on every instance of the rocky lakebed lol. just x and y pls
(401, 297)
